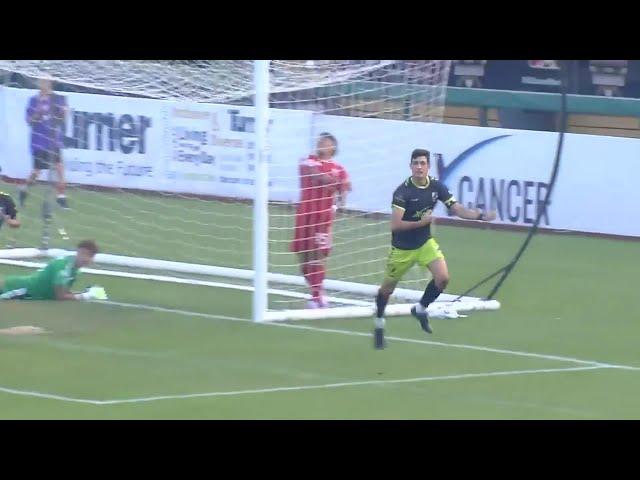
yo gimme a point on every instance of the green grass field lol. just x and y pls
(563, 346)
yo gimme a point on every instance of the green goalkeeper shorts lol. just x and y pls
(400, 261)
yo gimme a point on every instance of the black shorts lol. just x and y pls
(43, 158)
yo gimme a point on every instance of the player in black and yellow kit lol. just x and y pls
(412, 205)
(8, 211)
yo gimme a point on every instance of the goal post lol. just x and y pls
(261, 200)
(187, 171)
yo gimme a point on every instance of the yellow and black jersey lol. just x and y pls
(7, 206)
(415, 201)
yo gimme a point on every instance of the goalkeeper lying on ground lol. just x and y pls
(55, 280)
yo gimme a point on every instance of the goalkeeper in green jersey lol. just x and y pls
(54, 281)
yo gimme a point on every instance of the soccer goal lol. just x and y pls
(188, 172)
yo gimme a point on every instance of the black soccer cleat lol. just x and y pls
(378, 337)
(22, 197)
(62, 202)
(423, 318)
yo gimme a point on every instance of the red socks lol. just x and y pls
(314, 274)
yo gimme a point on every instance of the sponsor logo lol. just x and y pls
(100, 131)
(227, 142)
(190, 114)
(183, 136)
(214, 122)
(240, 181)
(515, 200)
(241, 123)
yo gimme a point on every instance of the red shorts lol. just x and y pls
(311, 237)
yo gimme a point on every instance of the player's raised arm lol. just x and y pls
(327, 149)
(310, 168)
(318, 178)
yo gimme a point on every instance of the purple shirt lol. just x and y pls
(46, 117)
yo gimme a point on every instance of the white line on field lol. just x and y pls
(363, 334)
(49, 396)
(296, 388)
(349, 384)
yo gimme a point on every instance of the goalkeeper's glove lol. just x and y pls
(93, 293)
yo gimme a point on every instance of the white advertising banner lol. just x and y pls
(4, 153)
(201, 149)
(114, 143)
(501, 169)
(180, 147)
(211, 150)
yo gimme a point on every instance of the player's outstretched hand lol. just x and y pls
(94, 293)
(98, 293)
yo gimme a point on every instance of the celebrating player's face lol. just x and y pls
(326, 148)
(419, 168)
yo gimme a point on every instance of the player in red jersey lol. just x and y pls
(324, 184)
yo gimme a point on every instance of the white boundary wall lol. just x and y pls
(209, 150)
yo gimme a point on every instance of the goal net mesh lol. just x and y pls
(160, 157)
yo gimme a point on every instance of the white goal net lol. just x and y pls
(161, 156)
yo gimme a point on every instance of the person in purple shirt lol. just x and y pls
(46, 114)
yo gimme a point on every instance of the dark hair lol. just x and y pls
(421, 152)
(88, 245)
(324, 135)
